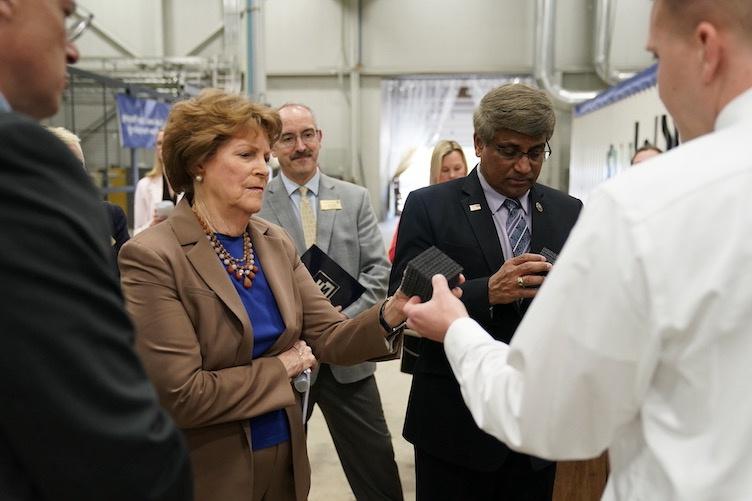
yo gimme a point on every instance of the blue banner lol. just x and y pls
(139, 120)
(638, 83)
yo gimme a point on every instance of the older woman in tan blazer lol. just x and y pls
(225, 313)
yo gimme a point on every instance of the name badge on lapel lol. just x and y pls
(330, 204)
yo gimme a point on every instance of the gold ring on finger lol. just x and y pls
(521, 282)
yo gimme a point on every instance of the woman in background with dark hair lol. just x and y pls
(644, 153)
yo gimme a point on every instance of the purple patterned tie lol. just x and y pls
(517, 230)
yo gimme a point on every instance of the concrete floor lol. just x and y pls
(328, 482)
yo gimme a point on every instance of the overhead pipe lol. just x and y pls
(231, 26)
(256, 63)
(605, 20)
(544, 59)
(355, 24)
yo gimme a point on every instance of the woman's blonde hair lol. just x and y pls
(442, 149)
(197, 127)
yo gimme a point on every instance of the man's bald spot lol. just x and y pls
(299, 106)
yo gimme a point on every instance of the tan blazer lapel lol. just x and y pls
(204, 260)
(273, 257)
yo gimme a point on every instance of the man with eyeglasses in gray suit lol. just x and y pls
(337, 216)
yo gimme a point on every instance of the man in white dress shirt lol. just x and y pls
(639, 341)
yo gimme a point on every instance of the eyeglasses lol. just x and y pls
(534, 155)
(78, 26)
(308, 136)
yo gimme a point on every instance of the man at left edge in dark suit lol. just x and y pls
(79, 420)
(493, 223)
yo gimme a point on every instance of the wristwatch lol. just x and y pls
(391, 331)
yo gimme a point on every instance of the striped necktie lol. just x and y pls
(517, 230)
(307, 218)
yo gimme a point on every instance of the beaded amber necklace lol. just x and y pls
(242, 269)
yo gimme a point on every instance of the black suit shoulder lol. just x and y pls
(558, 196)
(119, 223)
(76, 400)
(554, 214)
(423, 209)
(437, 193)
(563, 202)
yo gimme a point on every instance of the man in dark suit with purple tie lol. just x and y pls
(493, 222)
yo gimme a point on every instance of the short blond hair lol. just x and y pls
(197, 127)
(735, 15)
(442, 149)
(72, 141)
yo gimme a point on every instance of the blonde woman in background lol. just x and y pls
(447, 163)
(150, 190)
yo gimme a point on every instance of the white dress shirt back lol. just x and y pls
(640, 340)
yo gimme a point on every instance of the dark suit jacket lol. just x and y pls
(437, 419)
(79, 419)
(196, 341)
(119, 226)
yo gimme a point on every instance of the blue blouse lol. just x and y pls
(271, 428)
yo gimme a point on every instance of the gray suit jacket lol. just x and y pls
(350, 236)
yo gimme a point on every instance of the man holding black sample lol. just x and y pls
(489, 222)
(338, 218)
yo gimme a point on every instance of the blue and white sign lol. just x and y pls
(140, 120)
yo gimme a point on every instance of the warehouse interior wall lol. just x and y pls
(307, 56)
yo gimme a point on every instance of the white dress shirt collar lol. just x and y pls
(735, 111)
